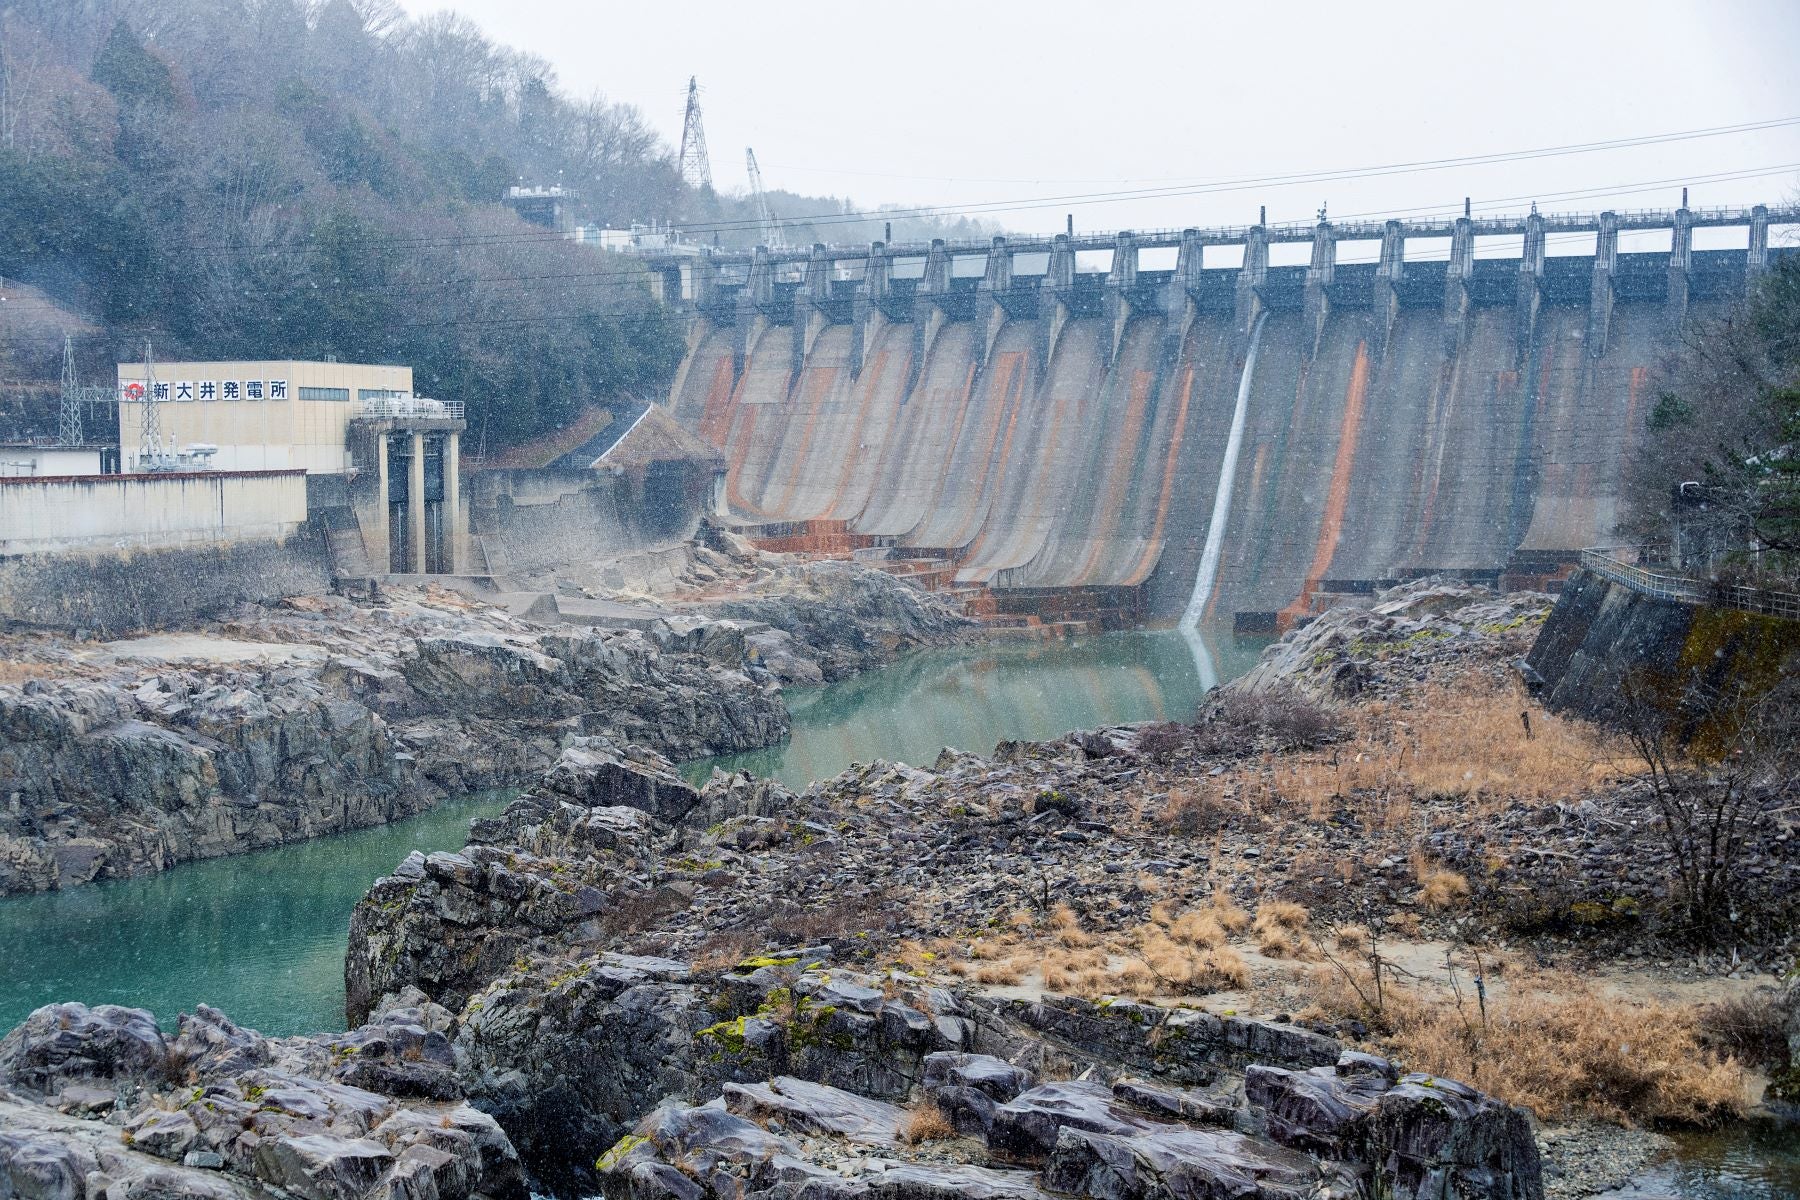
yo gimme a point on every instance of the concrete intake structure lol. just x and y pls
(1046, 431)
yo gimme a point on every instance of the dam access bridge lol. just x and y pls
(1059, 444)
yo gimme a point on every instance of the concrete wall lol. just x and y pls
(1603, 635)
(49, 460)
(1068, 429)
(258, 435)
(110, 594)
(54, 515)
(536, 523)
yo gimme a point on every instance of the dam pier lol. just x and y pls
(1045, 440)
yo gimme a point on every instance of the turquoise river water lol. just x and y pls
(262, 935)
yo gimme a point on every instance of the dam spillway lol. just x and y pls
(1050, 436)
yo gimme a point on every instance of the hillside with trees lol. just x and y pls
(1718, 465)
(319, 178)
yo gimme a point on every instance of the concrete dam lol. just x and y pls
(1222, 436)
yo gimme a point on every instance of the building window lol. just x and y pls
(322, 393)
(378, 393)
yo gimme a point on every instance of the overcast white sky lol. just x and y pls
(939, 102)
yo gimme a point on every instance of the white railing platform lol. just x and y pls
(412, 406)
(1606, 562)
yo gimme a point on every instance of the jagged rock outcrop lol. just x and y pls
(100, 1103)
(349, 722)
(841, 618)
(747, 1111)
(1352, 649)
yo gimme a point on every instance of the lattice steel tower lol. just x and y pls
(150, 443)
(696, 170)
(68, 424)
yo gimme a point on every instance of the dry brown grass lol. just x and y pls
(1200, 929)
(991, 948)
(1226, 912)
(1353, 938)
(1134, 978)
(1003, 972)
(924, 1123)
(1552, 1043)
(1280, 930)
(1066, 928)
(1282, 914)
(1440, 888)
(1067, 971)
(1184, 967)
(1453, 740)
(22, 672)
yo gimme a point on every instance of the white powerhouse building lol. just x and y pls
(397, 455)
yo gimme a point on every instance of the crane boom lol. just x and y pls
(769, 227)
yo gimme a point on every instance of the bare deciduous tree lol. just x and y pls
(1712, 759)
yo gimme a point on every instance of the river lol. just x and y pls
(259, 935)
(262, 936)
(970, 697)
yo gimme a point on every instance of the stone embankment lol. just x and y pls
(319, 715)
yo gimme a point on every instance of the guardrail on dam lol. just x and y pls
(1055, 436)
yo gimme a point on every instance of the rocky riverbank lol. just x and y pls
(1250, 956)
(1203, 867)
(323, 714)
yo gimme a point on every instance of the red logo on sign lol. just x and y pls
(134, 391)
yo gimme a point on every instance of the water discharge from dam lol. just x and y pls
(1221, 513)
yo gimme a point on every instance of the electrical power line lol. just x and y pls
(622, 275)
(1079, 199)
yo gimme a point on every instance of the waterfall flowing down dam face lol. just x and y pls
(1270, 434)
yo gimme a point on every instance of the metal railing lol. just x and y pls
(413, 406)
(1684, 590)
(1363, 229)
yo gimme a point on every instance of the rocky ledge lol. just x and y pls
(326, 714)
(784, 1076)
(101, 1103)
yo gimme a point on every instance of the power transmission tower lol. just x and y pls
(150, 447)
(696, 169)
(68, 424)
(771, 230)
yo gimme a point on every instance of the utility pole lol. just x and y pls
(696, 169)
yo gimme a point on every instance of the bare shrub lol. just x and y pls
(1237, 720)
(723, 950)
(1196, 813)
(1752, 1028)
(1163, 742)
(838, 919)
(1711, 755)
